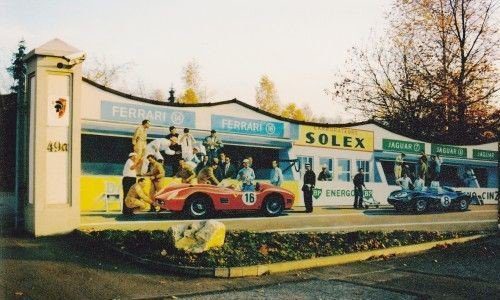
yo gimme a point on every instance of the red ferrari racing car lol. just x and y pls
(201, 200)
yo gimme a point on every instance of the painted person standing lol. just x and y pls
(247, 176)
(398, 166)
(139, 140)
(359, 184)
(276, 174)
(129, 178)
(212, 144)
(308, 186)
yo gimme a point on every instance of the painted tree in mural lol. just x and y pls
(101, 70)
(158, 95)
(266, 96)
(191, 78)
(291, 111)
(433, 75)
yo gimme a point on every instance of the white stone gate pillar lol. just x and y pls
(53, 96)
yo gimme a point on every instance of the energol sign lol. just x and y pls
(336, 137)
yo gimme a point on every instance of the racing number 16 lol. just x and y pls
(249, 198)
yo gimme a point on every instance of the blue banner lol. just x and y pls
(158, 115)
(247, 126)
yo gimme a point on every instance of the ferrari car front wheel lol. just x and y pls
(273, 206)
(198, 208)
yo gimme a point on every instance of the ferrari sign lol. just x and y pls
(336, 137)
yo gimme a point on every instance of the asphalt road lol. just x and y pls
(57, 268)
(322, 219)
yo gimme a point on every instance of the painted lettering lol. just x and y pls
(347, 141)
(323, 139)
(359, 143)
(310, 138)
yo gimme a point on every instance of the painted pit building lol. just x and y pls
(90, 146)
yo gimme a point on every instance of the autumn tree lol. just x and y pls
(291, 111)
(192, 79)
(103, 71)
(433, 75)
(18, 68)
(158, 95)
(266, 95)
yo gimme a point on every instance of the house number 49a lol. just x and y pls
(57, 147)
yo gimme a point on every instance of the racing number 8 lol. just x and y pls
(249, 198)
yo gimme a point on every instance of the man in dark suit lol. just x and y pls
(359, 184)
(202, 164)
(307, 188)
(229, 171)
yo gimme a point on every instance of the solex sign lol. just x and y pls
(336, 137)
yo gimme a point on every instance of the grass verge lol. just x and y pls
(244, 248)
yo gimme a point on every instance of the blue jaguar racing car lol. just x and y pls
(419, 201)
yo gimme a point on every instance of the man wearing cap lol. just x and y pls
(308, 186)
(276, 174)
(247, 176)
(212, 144)
(207, 176)
(324, 175)
(129, 177)
(139, 140)
(155, 147)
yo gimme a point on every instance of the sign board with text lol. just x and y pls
(336, 137)
(402, 146)
(158, 115)
(248, 126)
(449, 151)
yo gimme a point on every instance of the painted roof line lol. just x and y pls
(260, 111)
(236, 101)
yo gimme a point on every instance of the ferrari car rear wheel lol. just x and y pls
(463, 205)
(273, 206)
(198, 207)
(420, 205)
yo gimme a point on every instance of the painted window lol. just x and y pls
(344, 169)
(365, 164)
(303, 160)
(328, 162)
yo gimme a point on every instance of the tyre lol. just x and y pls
(198, 207)
(273, 206)
(463, 204)
(420, 205)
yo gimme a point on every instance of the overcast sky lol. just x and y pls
(298, 44)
